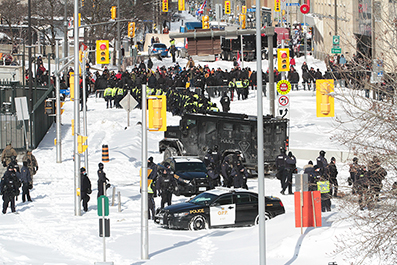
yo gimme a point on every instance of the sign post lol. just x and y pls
(128, 103)
(104, 224)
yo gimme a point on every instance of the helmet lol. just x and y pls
(209, 150)
(322, 153)
(8, 143)
(100, 165)
(10, 167)
(216, 147)
(282, 150)
(355, 159)
(166, 164)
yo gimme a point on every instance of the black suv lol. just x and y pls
(190, 174)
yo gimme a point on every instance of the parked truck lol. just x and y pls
(230, 132)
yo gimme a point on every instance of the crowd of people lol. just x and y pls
(15, 177)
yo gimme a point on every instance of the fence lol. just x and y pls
(13, 130)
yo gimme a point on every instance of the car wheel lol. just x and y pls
(198, 222)
(267, 217)
(170, 152)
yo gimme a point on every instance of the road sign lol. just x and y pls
(283, 112)
(283, 101)
(283, 87)
(336, 40)
(292, 4)
(103, 199)
(128, 102)
(336, 49)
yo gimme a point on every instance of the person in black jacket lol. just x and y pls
(152, 178)
(293, 78)
(166, 185)
(333, 173)
(102, 179)
(226, 173)
(9, 187)
(225, 102)
(26, 179)
(85, 188)
(290, 169)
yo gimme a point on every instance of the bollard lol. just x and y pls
(113, 195)
(105, 153)
(119, 196)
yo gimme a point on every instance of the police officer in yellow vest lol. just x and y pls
(324, 188)
(107, 94)
(118, 98)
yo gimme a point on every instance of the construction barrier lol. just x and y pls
(105, 153)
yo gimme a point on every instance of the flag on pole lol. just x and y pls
(238, 59)
(201, 8)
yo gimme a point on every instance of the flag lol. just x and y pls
(238, 59)
(201, 8)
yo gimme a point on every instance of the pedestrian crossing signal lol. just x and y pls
(80, 140)
(157, 106)
(165, 6)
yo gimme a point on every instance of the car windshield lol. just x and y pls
(190, 167)
(204, 198)
(160, 46)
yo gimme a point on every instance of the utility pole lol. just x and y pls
(77, 180)
(58, 106)
(30, 65)
(118, 37)
(336, 17)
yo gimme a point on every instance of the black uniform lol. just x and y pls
(101, 180)
(281, 165)
(225, 102)
(322, 163)
(226, 173)
(290, 168)
(240, 175)
(213, 176)
(152, 187)
(166, 185)
(9, 187)
(26, 180)
(85, 188)
(333, 173)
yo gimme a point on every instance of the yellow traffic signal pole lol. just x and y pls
(77, 180)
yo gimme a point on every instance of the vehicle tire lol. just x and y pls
(267, 217)
(198, 222)
(170, 152)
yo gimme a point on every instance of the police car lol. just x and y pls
(190, 174)
(220, 207)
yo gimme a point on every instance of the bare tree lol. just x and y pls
(13, 12)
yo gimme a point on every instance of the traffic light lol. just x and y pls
(181, 5)
(324, 101)
(49, 106)
(71, 82)
(283, 60)
(205, 22)
(244, 9)
(165, 5)
(227, 7)
(113, 12)
(80, 140)
(62, 110)
(81, 55)
(243, 21)
(131, 29)
(102, 52)
(157, 106)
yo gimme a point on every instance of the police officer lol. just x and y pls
(322, 163)
(102, 179)
(31, 162)
(333, 173)
(26, 180)
(376, 174)
(85, 188)
(107, 94)
(290, 167)
(166, 185)
(7, 153)
(152, 178)
(361, 189)
(309, 169)
(324, 188)
(9, 187)
(208, 158)
(225, 102)
(213, 176)
(355, 171)
(281, 165)
(240, 175)
(226, 172)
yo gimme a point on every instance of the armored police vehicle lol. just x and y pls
(230, 132)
